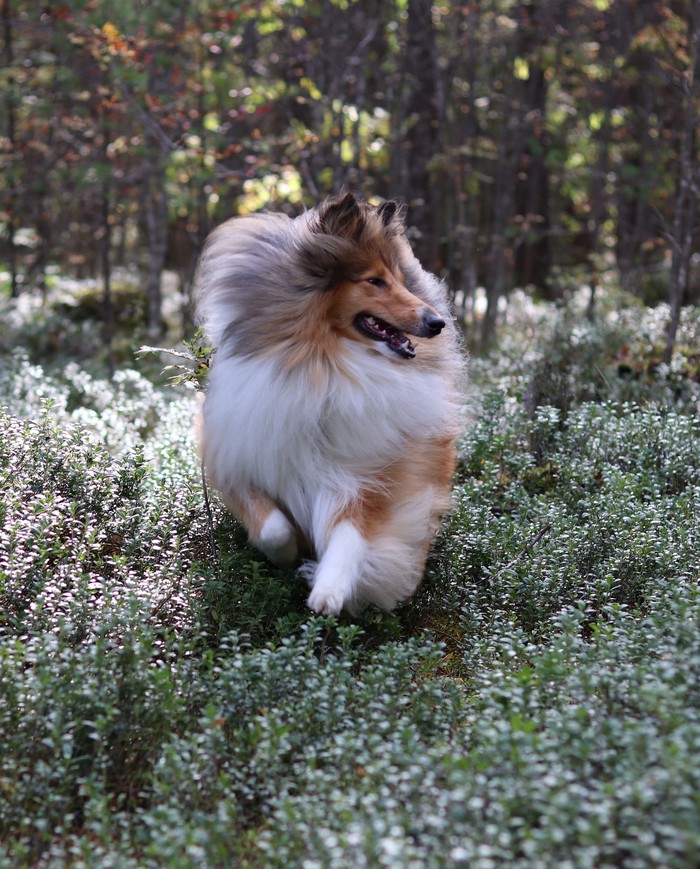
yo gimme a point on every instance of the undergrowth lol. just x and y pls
(536, 704)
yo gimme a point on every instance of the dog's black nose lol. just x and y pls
(433, 324)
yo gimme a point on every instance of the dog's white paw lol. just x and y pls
(278, 539)
(335, 579)
(326, 601)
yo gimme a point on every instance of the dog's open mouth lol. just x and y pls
(379, 330)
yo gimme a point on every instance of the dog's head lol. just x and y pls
(351, 252)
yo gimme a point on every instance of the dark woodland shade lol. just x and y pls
(522, 162)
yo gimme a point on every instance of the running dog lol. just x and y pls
(333, 402)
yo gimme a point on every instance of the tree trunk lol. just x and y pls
(532, 255)
(459, 129)
(681, 241)
(504, 196)
(105, 257)
(417, 138)
(598, 201)
(687, 192)
(503, 206)
(11, 132)
(633, 227)
(156, 215)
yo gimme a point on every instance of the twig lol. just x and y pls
(207, 504)
(607, 383)
(526, 549)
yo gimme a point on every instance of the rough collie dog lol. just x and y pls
(332, 409)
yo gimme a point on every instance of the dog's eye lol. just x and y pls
(376, 282)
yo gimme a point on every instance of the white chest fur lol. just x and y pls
(304, 440)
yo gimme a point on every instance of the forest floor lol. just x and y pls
(536, 704)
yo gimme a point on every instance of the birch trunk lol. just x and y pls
(156, 218)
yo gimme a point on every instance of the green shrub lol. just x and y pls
(161, 705)
(555, 357)
(68, 322)
(601, 510)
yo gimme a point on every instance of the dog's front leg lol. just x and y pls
(339, 571)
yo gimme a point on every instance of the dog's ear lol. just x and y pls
(387, 210)
(341, 216)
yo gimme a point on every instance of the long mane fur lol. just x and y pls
(263, 273)
(309, 423)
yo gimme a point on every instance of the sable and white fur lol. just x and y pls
(321, 431)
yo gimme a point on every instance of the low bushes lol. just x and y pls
(536, 704)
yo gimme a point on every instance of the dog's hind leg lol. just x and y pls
(269, 530)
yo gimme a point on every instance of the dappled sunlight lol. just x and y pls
(166, 698)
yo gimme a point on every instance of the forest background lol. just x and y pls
(537, 144)
(166, 697)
